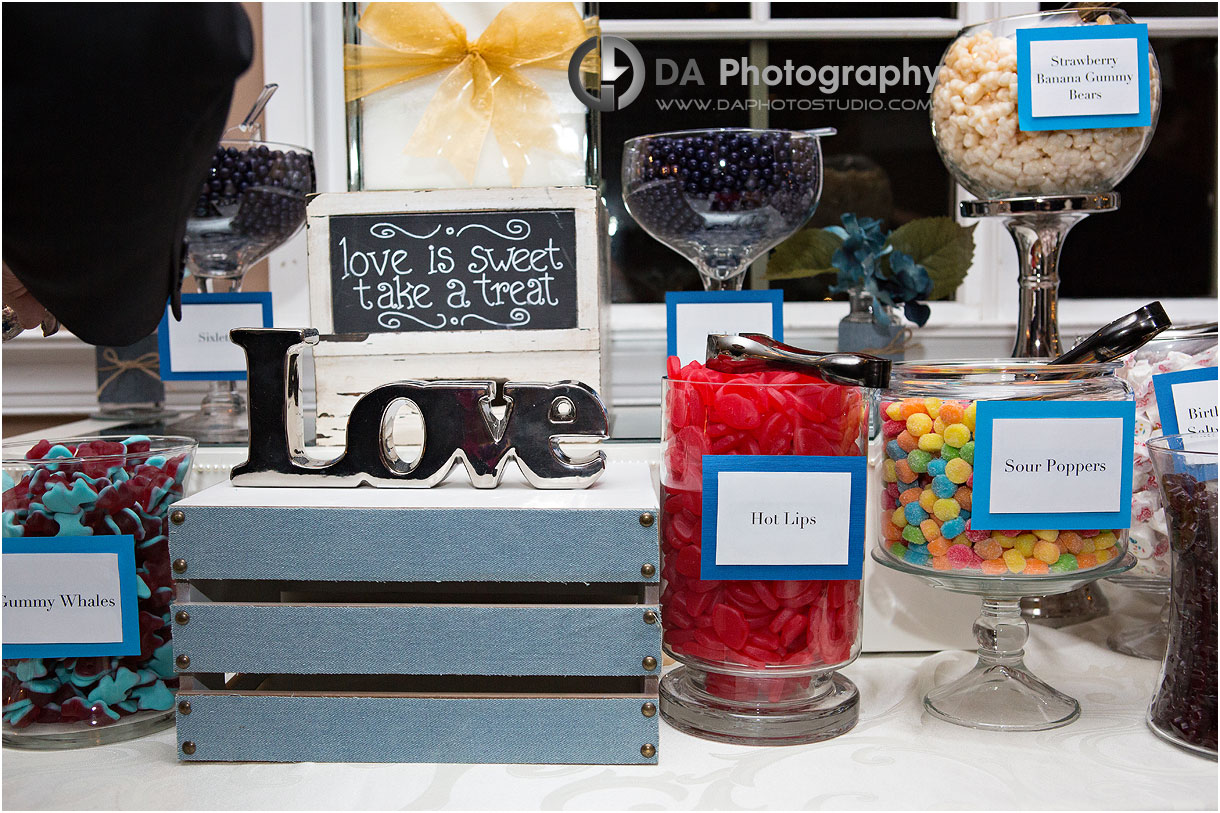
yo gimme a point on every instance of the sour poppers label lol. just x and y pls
(1053, 464)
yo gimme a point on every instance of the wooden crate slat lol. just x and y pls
(551, 730)
(438, 639)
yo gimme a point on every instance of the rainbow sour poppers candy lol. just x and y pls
(928, 478)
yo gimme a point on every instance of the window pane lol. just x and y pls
(642, 269)
(673, 11)
(1137, 10)
(1161, 243)
(814, 10)
(883, 163)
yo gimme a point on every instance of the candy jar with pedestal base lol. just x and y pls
(760, 657)
(925, 479)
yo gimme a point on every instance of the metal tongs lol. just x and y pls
(750, 352)
(1122, 336)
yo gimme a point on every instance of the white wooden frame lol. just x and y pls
(302, 51)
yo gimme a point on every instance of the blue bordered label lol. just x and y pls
(1082, 77)
(67, 597)
(1053, 464)
(691, 315)
(785, 517)
(1186, 400)
(197, 348)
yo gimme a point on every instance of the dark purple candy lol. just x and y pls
(1186, 702)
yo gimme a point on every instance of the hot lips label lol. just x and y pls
(783, 517)
(1053, 464)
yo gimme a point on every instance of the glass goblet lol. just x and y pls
(252, 202)
(722, 197)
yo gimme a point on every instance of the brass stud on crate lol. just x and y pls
(649, 663)
(184, 707)
(177, 517)
(188, 748)
(183, 661)
(648, 750)
(646, 519)
(648, 570)
(650, 617)
(648, 709)
(182, 616)
(179, 565)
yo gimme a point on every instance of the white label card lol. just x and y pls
(51, 598)
(692, 315)
(1084, 77)
(1194, 403)
(783, 518)
(1060, 466)
(200, 342)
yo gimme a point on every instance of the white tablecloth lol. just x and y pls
(897, 757)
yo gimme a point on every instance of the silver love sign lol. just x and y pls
(483, 424)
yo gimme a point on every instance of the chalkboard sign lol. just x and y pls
(453, 271)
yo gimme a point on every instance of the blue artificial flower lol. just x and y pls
(907, 283)
(863, 245)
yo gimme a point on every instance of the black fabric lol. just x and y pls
(111, 115)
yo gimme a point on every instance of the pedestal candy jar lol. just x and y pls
(93, 488)
(1004, 479)
(761, 655)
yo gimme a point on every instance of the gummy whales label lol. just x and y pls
(68, 598)
(198, 347)
(691, 315)
(1083, 77)
(1053, 464)
(791, 517)
(1186, 401)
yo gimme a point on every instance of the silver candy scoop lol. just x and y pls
(749, 352)
(1122, 336)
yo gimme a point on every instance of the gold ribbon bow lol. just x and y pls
(483, 89)
(149, 364)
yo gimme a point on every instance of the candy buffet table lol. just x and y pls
(896, 758)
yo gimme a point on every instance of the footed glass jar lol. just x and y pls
(760, 658)
(974, 117)
(94, 487)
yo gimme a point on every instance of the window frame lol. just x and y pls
(303, 52)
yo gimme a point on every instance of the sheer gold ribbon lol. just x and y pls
(483, 90)
(147, 364)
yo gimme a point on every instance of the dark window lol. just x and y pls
(883, 163)
(673, 11)
(1162, 241)
(839, 10)
(1137, 10)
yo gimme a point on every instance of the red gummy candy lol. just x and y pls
(730, 625)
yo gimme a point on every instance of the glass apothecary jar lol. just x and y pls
(1184, 709)
(760, 657)
(975, 117)
(1186, 347)
(93, 487)
(458, 95)
(925, 474)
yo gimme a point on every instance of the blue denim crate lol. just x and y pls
(332, 556)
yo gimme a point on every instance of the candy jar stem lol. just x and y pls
(999, 692)
(1039, 240)
(722, 272)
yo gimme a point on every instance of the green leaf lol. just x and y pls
(941, 245)
(805, 254)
